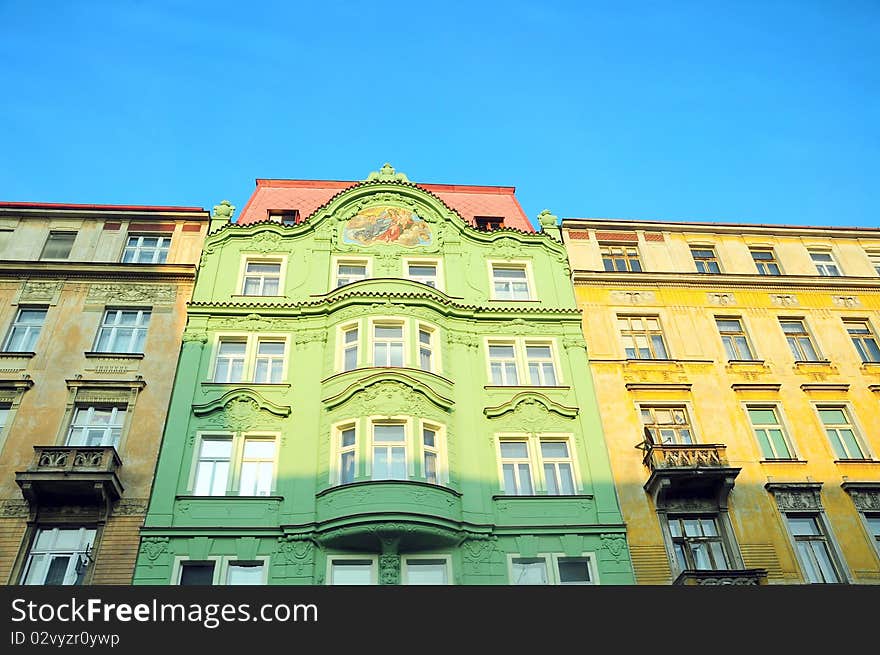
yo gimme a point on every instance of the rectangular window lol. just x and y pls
(430, 454)
(510, 282)
(502, 364)
(423, 272)
(799, 340)
(813, 552)
(825, 264)
(352, 571)
(548, 569)
(425, 571)
(667, 425)
(529, 571)
(388, 345)
(389, 451)
(516, 468)
(558, 474)
(765, 261)
(242, 572)
(841, 432)
(489, 222)
(863, 339)
(347, 450)
(196, 572)
(642, 337)
(873, 523)
(539, 359)
(58, 245)
(230, 364)
(874, 258)
(348, 272)
(96, 426)
(697, 544)
(257, 467)
(284, 216)
(769, 432)
(123, 331)
(736, 342)
(350, 348)
(426, 349)
(705, 259)
(574, 570)
(145, 249)
(269, 366)
(4, 416)
(261, 278)
(25, 329)
(58, 556)
(212, 469)
(621, 258)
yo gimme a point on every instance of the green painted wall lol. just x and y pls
(308, 517)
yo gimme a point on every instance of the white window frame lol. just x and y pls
(647, 332)
(374, 566)
(433, 347)
(783, 425)
(89, 410)
(177, 567)
(86, 542)
(227, 562)
(439, 450)
(874, 260)
(421, 261)
(554, 360)
(197, 459)
(814, 343)
(28, 327)
(342, 346)
(858, 433)
(163, 246)
(759, 263)
(388, 321)
(711, 248)
(337, 450)
(551, 564)
(272, 360)
(140, 329)
(520, 359)
(746, 331)
(822, 268)
(245, 438)
(336, 261)
(522, 264)
(872, 336)
(404, 421)
(236, 459)
(536, 460)
(281, 260)
(251, 341)
(405, 560)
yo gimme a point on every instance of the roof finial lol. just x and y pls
(547, 220)
(223, 211)
(387, 172)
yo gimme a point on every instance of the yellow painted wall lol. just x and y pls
(687, 304)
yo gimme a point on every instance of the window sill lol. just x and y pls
(746, 362)
(265, 385)
(870, 366)
(227, 497)
(783, 461)
(533, 300)
(526, 386)
(108, 355)
(503, 496)
(857, 461)
(813, 362)
(241, 295)
(17, 354)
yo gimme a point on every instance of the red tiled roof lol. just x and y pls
(65, 205)
(308, 195)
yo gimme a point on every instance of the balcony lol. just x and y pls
(688, 471)
(731, 577)
(371, 514)
(71, 475)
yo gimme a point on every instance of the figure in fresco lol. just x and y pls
(387, 225)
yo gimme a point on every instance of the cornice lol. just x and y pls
(681, 279)
(738, 229)
(98, 270)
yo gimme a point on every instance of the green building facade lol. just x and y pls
(382, 387)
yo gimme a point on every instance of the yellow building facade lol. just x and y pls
(92, 309)
(737, 368)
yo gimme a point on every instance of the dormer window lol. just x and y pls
(489, 222)
(284, 216)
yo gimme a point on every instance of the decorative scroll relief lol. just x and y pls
(633, 297)
(38, 290)
(265, 242)
(13, 509)
(152, 548)
(532, 412)
(784, 300)
(389, 398)
(250, 323)
(846, 301)
(239, 410)
(792, 498)
(722, 299)
(122, 293)
(866, 500)
(615, 544)
(295, 550)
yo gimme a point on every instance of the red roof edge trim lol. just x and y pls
(64, 205)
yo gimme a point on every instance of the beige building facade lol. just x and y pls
(92, 308)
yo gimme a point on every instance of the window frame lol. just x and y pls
(49, 236)
(405, 339)
(236, 460)
(249, 369)
(822, 266)
(269, 258)
(730, 561)
(766, 263)
(28, 327)
(86, 540)
(341, 260)
(138, 249)
(809, 335)
(405, 558)
(648, 333)
(860, 348)
(670, 406)
(858, 433)
(783, 426)
(374, 566)
(708, 261)
(744, 332)
(227, 561)
(512, 264)
(874, 260)
(551, 566)
(819, 518)
(425, 261)
(405, 422)
(137, 328)
(535, 460)
(521, 361)
(626, 258)
(89, 407)
(178, 565)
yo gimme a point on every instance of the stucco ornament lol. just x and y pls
(296, 550)
(224, 210)
(265, 242)
(387, 173)
(153, 548)
(615, 544)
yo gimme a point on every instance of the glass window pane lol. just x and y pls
(351, 572)
(388, 332)
(242, 573)
(554, 449)
(574, 570)
(426, 571)
(514, 449)
(197, 573)
(386, 433)
(529, 570)
(259, 449)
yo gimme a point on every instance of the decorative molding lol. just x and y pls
(756, 386)
(784, 299)
(153, 548)
(296, 550)
(615, 544)
(634, 297)
(241, 409)
(387, 174)
(389, 568)
(826, 386)
(657, 386)
(391, 392)
(14, 509)
(131, 507)
(532, 409)
(250, 323)
(191, 334)
(796, 496)
(846, 301)
(158, 294)
(722, 299)
(865, 495)
(34, 290)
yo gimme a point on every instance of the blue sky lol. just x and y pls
(763, 111)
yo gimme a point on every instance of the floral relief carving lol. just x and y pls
(846, 301)
(251, 323)
(866, 500)
(38, 290)
(722, 299)
(13, 508)
(153, 548)
(389, 568)
(265, 242)
(790, 500)
(634, 297)
(615, 544)
(120, 293)
(784, 300)
(191, 335)
(295, 550)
